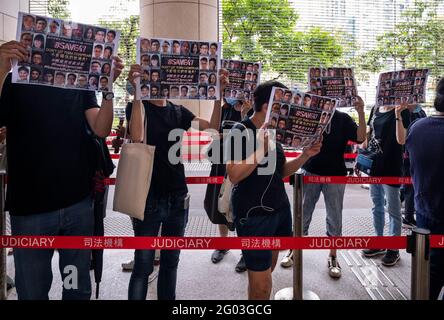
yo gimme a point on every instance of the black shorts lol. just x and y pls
(273, 224)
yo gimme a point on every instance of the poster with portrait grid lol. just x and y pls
(65, 54)
(299, 118)
(178, 69)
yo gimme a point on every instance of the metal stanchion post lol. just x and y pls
(419, 247)
(3, 282)
(297, 292)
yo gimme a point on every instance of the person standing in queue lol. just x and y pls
(259, 200)
(50, 194)
(167, 201)
(330, 162)
(425, 146)
(233, 111)
(389, 126)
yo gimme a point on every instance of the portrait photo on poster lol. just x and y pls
(178, 69)
(65, 54)
(334, 82)
(403, 86)
(243, 79)
(299, 118)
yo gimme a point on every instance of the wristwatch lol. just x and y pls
(108, 95)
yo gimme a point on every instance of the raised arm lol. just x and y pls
(10, 51)
(294, 165)
(401, 132)
(101, 119)
(361, 133)
(136, 121)
(214, 123)
(239, 170)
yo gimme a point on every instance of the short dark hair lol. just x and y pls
(263, 92)
(41, 19)
(112, 32)
(23, 69)
(39, 37)
(439, 100)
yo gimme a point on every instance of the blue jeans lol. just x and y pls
(170, 213)
(380, 193)
(436, 256)
(33, 272)
(334, 199)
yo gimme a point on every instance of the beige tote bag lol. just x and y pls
(133, 178)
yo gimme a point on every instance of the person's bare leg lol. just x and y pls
(259, 285)
(275, 256)
(333, 252)
(223, 230)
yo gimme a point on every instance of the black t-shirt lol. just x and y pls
(229, 116)
(51, 161)
(384, 126)
(330, 161)
(167, 177)
(249, 192)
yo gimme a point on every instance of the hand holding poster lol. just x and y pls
(178, 69)
(65, 54)
(299, 118)
(404, 86)
(243, 78)
(336, 83)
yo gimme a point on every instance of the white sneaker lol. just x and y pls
(334, 269)
(287, 261)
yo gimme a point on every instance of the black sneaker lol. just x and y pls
(241, 267)
(373, 252)
(408, 222)
(391, 258)
(9, 283)
(218, 255)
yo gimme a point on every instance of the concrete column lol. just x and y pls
(8, 17)
(181, 19)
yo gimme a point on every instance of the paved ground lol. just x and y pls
(199, 279)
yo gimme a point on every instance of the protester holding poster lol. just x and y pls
(330, 162)
(167, 202)
(406, 86)
(299, 117)
(336, 83)
(65, 48)
(388, 126)
(240, 79)
(189, 64)
(233, 111)
(256, 167)
(56, 184)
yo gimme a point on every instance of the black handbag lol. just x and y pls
(370, 159)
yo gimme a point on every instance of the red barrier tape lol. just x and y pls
(189, 157)
(184, 143)
(207, 243)
(357, 180)
(189, 180)
(307, 180)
